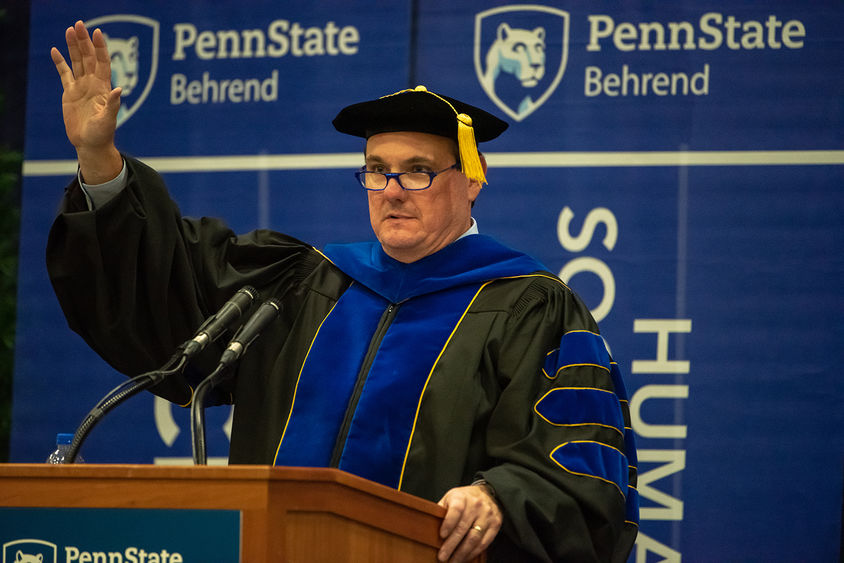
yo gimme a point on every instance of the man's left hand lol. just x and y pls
(471, 522)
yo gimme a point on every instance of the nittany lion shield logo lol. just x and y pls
(133, 45)
(29, 551)
(520, 55)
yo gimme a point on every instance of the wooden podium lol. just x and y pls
(287, 514)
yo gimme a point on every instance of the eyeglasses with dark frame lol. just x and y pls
(411, 181)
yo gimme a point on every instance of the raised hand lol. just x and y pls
(89, 104)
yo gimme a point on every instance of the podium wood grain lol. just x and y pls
(289, 514)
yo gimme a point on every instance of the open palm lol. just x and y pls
(89, 104)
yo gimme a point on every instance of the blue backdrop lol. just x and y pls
(679, 164)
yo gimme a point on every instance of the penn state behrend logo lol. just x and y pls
(133, 46)
(520, 55)
(29, 551)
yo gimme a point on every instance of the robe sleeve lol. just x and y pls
(135, 279)
(565, 472)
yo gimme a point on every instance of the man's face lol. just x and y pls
(413, 224)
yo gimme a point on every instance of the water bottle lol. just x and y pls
(63, 442)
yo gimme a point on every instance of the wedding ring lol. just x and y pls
(478, 529)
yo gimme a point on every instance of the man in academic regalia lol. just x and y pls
(435, 361)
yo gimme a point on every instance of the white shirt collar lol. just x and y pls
(473, 230)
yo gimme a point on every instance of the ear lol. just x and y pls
(503, 31)
(474, 185)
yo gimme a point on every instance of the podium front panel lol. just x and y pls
(129, 535)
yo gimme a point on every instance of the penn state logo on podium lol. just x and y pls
(133, 46)
(520, 55)
(29, 551)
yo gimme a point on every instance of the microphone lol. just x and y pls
(209, 331)
(266, 314)
(224, 319)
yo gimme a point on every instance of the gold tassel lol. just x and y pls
(469, 159)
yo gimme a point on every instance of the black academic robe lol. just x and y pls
(472, 363)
